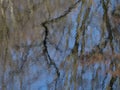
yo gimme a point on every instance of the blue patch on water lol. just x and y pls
(88, 75)
(96, 35)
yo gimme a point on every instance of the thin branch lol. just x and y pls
(63, 15)
(49, 59)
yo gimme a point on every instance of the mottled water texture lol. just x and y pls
(59, 44)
